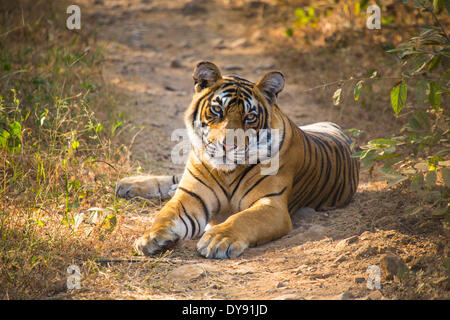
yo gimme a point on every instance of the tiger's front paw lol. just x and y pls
(154, 242)
(221, 243)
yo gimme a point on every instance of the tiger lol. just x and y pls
(230, 206)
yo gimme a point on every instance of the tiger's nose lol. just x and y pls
(228, 146)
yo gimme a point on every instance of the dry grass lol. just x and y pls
(58, 159)
(57, 203)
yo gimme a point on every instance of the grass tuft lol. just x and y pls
(58, 158)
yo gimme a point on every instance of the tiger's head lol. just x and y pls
(229, 120)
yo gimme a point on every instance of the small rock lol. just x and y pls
(339, 259)
(366, 251)
(360, 280)
(281, 284)
(239, 43)
(346, 295)
(374, 295)
(186, 273)
(216, 287)
(345, 242)
(184, 44)
(243, 271)
(192, 8)
(218, 44)
(176, 64)
(171, 87)
(392, 266)
(314, 233)
(320, 276)
(305, 212)
(300, 269)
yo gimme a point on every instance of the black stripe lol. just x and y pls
(245, 81)
(317, 191)
(159, 187)
(212, 190)
(327, 143)
(214, 178)
(247, 170)
(276, 194)
(228, 251)
(284, 134)
(355, 165)
(262, 117)
(232, 101)
(306, 180)
(194, 195)
(341, 144)
(310, 197)
(228, 91)
(338, 173)
(300, 196)
(193, 224)
(280, 146)
(345, 177)
(185, 226)
(325, 197)
(251, 188)
(303, 166)
(245, 93)
(206, 101)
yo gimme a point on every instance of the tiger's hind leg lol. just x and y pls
(148, 187)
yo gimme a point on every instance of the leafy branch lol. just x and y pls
(420, 152)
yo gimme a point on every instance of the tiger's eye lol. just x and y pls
(216, 109)
(250, 118)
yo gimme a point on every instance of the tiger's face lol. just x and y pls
(229, 119)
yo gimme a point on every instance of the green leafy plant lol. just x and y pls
(303, 17)
(419, 153)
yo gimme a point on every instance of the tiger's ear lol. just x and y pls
(271, 84)
(206, 74)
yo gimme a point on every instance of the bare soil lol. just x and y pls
(151, 49)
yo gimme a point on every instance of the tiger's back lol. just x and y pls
(327, 176)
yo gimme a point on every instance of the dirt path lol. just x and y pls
(152, 47)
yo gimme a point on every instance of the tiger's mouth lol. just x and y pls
(222, 153)
(228, 147)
